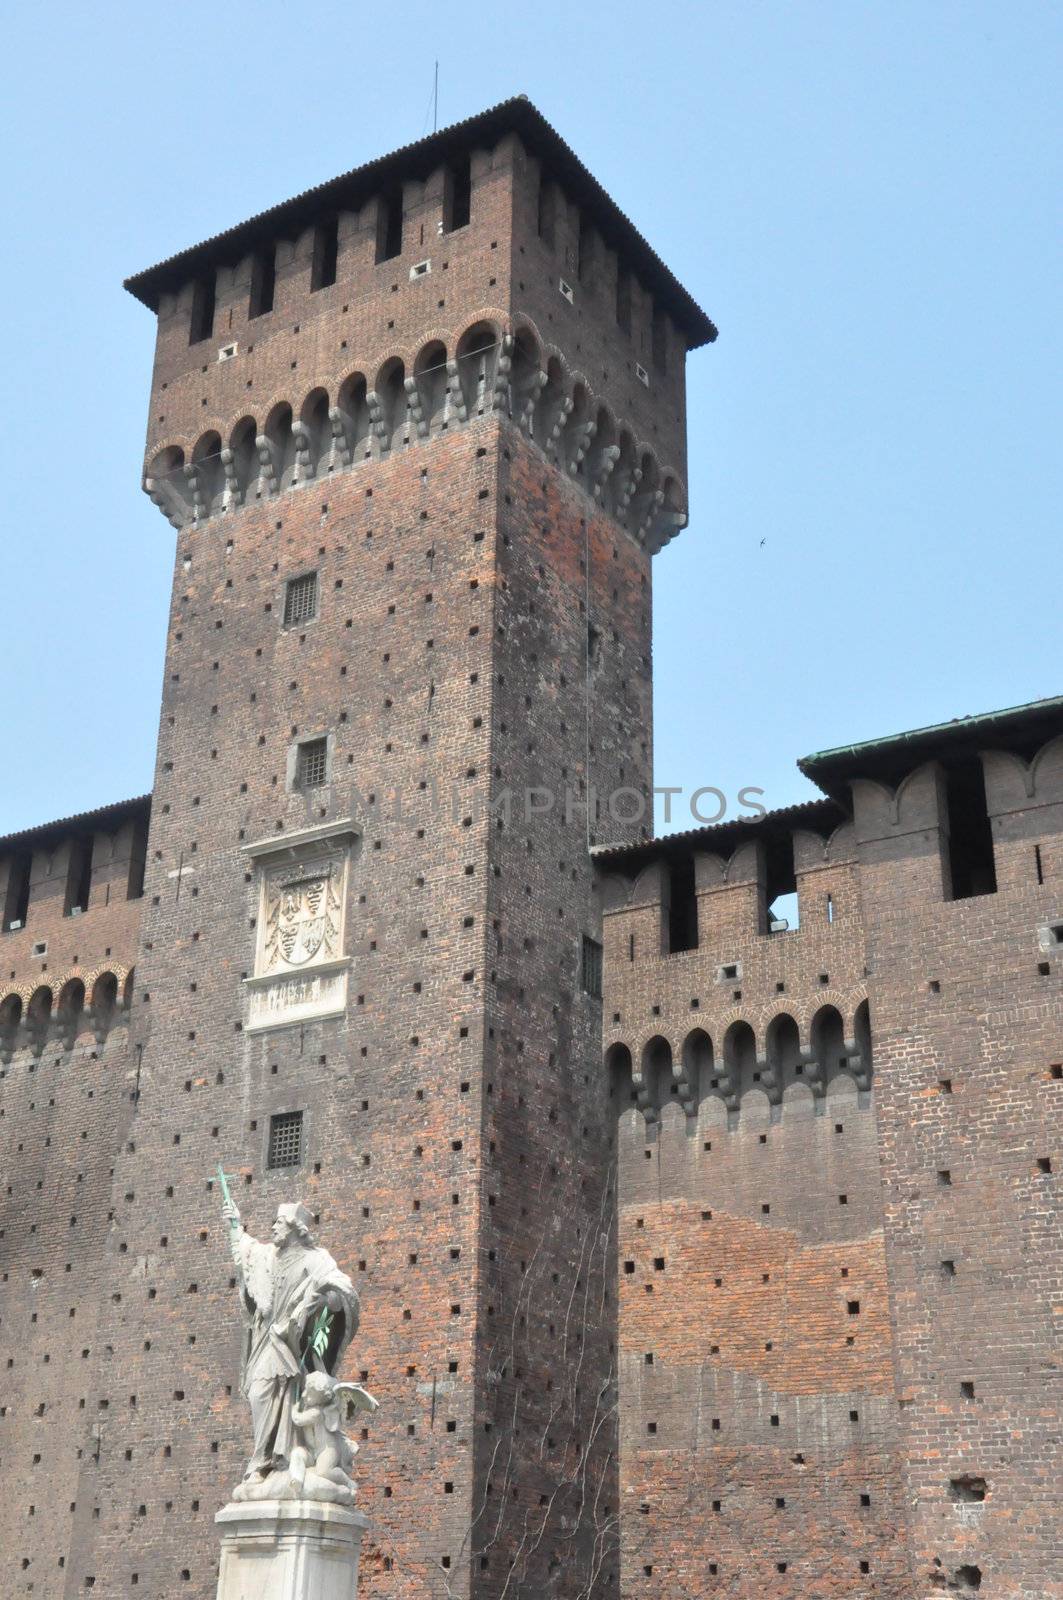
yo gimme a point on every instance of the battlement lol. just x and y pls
(831, 1042)
(481, 270)
(70, 895)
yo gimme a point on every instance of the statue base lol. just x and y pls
(289, 1550)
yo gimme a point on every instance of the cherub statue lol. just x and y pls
(323, 1449)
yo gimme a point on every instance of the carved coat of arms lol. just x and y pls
(302, 918)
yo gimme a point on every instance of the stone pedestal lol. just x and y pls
(289, 1550)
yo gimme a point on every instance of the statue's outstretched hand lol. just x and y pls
(231, 1214)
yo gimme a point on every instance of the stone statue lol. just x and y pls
(301, 1312)
(323, 1446)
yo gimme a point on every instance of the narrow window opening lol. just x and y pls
(585, 246)
(137, 862)
(623, 299)
(830, 908)
(659, 338)
(547, 211)
(631, 947)
(1038, 863)
(326, 253)
(263, 282)
(389, 226)
(285, 1139)
(300, 600)
(682, 906)
(782, 911)
(79, 877)
(457, 205)
(17, 900)
(591, 967)
(202, 323)
(972, 870)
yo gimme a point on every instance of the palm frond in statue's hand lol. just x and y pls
(319, 1333)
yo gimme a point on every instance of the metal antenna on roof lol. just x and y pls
(435, 101)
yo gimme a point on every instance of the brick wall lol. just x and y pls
(838, 1262)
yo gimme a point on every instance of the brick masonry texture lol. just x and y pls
(738, 1281)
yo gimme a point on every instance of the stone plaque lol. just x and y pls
(300, 964)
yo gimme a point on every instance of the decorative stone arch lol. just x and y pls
(527, 373)
(621, 1087)
(70, 1007)
(580, 427)
(39, 1015)
(387, 402)
(788, 1054)
(239, 461)
(671, 515)
(861, 1058)
(649, 497)
(553, 405)
(166, 484)
(429, 389)
(742, 1065)
(312, 434)
(614, 892)
(351, 421)
(830, 1051)
(206, 475)
(477, 355)
(602, 453)
(697, 1068)
(625, 477)
(276, 450)
(1048, 760)
(12, 1009)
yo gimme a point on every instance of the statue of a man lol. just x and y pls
(302, 1312)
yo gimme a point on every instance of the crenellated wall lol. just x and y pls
(837, 1155)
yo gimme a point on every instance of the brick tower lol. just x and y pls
(419, 432)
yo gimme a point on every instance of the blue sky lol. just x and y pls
(864, 197)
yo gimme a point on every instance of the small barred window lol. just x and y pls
(285, 1139)
(592, 967)
(300, 600)
(312, 769)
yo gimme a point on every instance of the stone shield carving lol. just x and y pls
(300, 964)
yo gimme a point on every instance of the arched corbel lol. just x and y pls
(162, 494)
(503, 370)
(194, 479)
(564, 411)
(813, 1072)
(377, 425)
(854, 1061)
(342, 451)
(524, 404)
(303, 470)
(415, 408)
(232, 497)
(579, 443)
(455, 393)
(769, 1078)
(268, 467)
(645, 510)
(626, 489)
(602, 464)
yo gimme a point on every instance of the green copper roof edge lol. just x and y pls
(984, 719)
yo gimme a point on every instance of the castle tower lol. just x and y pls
(419, 432)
